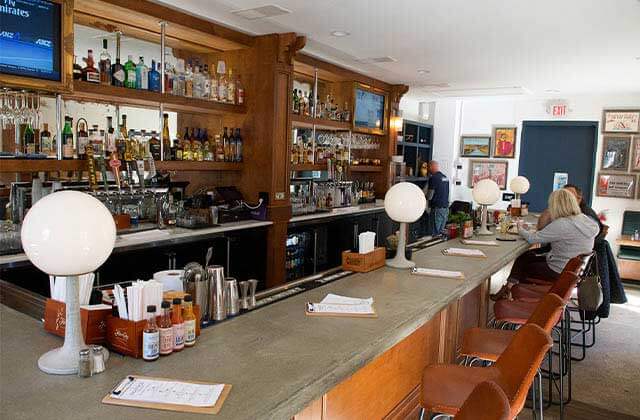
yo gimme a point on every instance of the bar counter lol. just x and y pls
(278, 360)
(376, 207)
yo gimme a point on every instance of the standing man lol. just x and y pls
(438, 197)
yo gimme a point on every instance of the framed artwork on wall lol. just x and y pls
(475, 146)
(504, 142)
(496, 170)
(621, 121)
(635, 154)
(616, 185)
(615, 153)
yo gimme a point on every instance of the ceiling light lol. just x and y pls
(267, 11)
(552, 90)
(423, 71)
(340, 33)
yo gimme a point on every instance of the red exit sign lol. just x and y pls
(558, 108)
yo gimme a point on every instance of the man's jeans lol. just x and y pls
(439, 215)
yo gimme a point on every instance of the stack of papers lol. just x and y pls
(343, 305)
(168, 392)
(464, 252)
(432, 272)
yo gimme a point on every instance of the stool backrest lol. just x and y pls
(487, 401)
(548, 312)
(520, 362)
(564, 285)
(574, 265)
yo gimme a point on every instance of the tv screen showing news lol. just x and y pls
(30, 43)
(369, 112)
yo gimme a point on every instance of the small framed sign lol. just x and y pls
(635, 154)
(495, 170)
(614, 185)
(615, 153)
(621, 121)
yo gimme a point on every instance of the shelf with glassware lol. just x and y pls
(414, 143)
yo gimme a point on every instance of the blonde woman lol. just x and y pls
(570, 233)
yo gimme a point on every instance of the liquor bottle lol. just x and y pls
(130, 73)
(67, 139)
(166, 137)
(207, 150)
(77, 69)
(310, 154)
(121, 143)
(82, 137)
(186, 136)
(96, 140)
(189, 322)
(151, 336)
(142, 75)
(198, 82)
(232, 145)
(154, 146)
(118, 74)
(213, 90)
(177, 323)
(154, 78)
(186, 150)
(222, 81)
(179, 81)
(196, 150)
(225, 144)
(105, 65)
(179, 150)
(206, 82)
(29, 140)
(188, 81)
(165, 330)
(296, 102)
(239, 92)
(46, 146)
(110, 138)
(90, 73)
(219, 148)
(238, 145)
(231, 88)
(169, 74)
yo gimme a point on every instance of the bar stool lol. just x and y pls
(536, 288)
(486, 402)
(445, 388)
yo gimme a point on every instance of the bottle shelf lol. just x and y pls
(93, 92)
(188, 165)
(365, 168)
(413, 144)
(320, 123)
(41, 165)
(309, 167)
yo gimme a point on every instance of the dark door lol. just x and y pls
(557, 146)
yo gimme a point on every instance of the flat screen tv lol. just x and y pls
(369, 111)
(30, 39)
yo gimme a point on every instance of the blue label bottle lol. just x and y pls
(154, 78)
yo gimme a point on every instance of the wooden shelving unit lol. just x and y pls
(41, 165)
(365, 168)
(320, 123)
(308, 167)
(187, 165)
(84, 91)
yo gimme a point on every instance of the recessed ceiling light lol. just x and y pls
(340, 33)
(552, 90)
(423, 71)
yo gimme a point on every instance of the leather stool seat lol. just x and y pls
(529, 291)
(485, 343)
(514, 311)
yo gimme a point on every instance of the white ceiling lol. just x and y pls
(572, 46)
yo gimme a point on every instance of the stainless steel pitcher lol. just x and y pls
(217, 306)
(231, 298)
(198, 287)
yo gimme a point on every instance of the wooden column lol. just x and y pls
(267, 153)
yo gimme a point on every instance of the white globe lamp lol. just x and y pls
(519, 185)
(405, 203)
(485, 193)
(68, 233)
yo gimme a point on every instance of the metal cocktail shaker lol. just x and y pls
(232, 299)
(217, 307)
(253, 284)
(198, 287)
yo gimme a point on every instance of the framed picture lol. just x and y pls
(615, 153)
(616, 185)
(488, 169)
(621, 121)
(635, 154)
(475, 146)
(504, 142)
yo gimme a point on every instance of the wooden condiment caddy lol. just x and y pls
(93, 321)
(363, 263)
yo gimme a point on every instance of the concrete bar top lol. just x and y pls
(151, 238)
(378, 206)
(277, 359)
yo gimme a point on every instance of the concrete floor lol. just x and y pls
(606, 385)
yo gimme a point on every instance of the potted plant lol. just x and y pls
(460, 222)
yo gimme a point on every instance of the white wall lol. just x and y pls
(477, 116)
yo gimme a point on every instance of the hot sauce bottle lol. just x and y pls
(151, 336)
(177, 323)
(189, 321)
(166, 330)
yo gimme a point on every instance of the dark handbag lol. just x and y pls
(590, 289)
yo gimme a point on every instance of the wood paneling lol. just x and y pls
(409, 408)
(314, 411)
(629, 269)
(378, 388)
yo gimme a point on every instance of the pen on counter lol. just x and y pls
(123, 385)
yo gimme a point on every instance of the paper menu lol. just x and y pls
(478, 242)
(335, 308)
(432, 272)
(464, 252)
(168, 392)
(345, 300)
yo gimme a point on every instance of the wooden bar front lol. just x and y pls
(389, 386)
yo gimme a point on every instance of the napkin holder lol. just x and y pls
(363, 263)
(93, 322)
